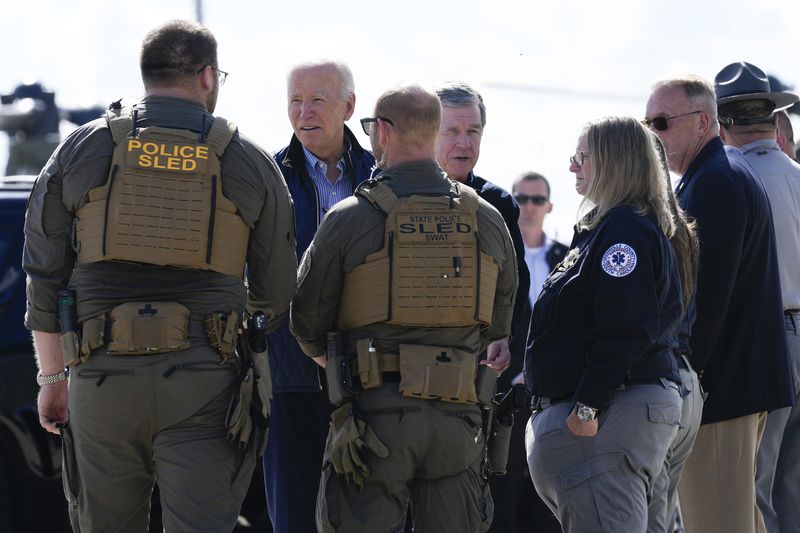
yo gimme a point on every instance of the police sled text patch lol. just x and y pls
(619, 260)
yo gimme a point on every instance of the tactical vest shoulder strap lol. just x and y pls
(380, 196)
(467, 196)
(120, 123)
(220, 135)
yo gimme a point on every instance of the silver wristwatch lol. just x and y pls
(585, 413)
(49, 379)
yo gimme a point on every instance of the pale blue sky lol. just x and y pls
(599, 57)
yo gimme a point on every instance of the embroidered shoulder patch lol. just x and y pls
(619, 260)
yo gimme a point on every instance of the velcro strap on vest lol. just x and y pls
(119, 123)
(220, 134)
(380, 196)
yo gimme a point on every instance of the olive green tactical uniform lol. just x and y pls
(135, 419)
(435, 448)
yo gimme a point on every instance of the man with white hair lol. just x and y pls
(322, 165)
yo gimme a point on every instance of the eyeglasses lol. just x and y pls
(523, 199)
(662, 123)
(366, 123)
(579, 158)
(221, 74)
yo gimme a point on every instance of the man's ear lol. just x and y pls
(207, 78)
(350, 107)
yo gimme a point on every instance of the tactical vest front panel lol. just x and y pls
(430, 272)
(163, 203)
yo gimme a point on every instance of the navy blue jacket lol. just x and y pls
(505, 203)
(738, 340)
(292, 370)
(609, 314)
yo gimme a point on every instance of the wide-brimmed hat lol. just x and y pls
(744, 81)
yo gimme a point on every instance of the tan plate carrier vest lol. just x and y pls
(430, 271)
(163, 203)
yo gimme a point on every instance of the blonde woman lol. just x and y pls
(602, 368)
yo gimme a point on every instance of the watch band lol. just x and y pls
(49, 379)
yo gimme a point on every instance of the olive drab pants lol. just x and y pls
(435, 457)
(139, 419)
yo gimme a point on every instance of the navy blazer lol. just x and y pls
(292, 370)
(738, 340)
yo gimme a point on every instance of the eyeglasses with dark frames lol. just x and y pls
(367, 123)
(662, 123)
(536, 199)
(221, 74)
(579, 158)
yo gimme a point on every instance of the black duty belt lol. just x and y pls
(540, 403)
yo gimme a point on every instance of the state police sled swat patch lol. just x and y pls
(619, 260)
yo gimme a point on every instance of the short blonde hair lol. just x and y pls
(415, 113)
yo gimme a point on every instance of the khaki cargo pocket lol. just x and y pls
(438, 373)
(69, 474)
(141, 328)
(603, 490)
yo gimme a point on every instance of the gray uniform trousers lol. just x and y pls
(778, 459)
(436, 451)
(662, 511)
(134, 420)
(603, 483)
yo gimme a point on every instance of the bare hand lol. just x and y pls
(53, 406)
(581, 428)
(498, 358)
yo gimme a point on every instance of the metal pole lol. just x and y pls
(199, 10)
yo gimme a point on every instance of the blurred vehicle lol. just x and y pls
(31, 495)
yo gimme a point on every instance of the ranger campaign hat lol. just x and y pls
(745, 81)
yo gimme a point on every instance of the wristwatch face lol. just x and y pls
(586, 413)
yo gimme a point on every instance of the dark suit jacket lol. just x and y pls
(504, 202)
(738, 340)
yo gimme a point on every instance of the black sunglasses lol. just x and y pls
(662, 123)
(366, 123)
(535, 199)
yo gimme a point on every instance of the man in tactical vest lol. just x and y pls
(140, 221)
(402, 288)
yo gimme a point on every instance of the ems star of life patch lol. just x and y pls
(619, 260)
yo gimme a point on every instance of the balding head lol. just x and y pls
(414, 112)
(407, 127)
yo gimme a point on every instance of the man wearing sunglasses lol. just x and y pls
(408, 424)
(322, 165)
(738, 342)
(531, 190)
(748, 112)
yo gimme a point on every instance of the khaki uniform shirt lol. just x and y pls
(354, 228)
(250, 178)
